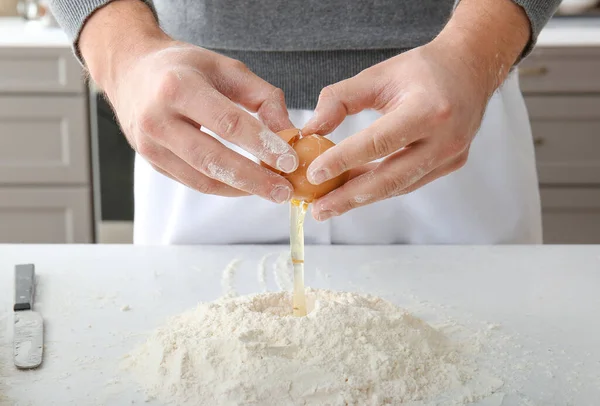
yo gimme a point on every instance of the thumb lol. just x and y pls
(343, 99)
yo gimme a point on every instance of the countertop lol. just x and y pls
(570, 32)
(539, 304)
(560, 32)
(18, 33)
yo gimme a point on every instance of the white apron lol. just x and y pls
(493, 199)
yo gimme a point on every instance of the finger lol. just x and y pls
(208, 156)
(170, 165)
(274, 113)
(391, 177)
(365, 199)
(361, 170)
(342, 99)
(206, 106)
(437, 173)
(386, 135)
(201, 183)
(255, 94)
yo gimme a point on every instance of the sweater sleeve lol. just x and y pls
(72, 15)
(539, 13)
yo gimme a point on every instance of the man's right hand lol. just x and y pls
(163, 91)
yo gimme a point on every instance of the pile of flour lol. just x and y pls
(351, 349)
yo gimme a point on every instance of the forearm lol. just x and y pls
(488, 36)
(114, 35)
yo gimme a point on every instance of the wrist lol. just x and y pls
(488, 36)
(115, 36)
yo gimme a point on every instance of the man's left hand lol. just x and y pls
(432, 100)
(432, 106)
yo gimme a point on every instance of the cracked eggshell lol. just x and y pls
(308, 148)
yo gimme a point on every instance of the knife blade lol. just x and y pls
(28, 340)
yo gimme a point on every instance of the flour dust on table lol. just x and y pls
(351, 349)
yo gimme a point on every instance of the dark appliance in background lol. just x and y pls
(115, 161)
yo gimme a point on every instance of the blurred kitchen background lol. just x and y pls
(66, 171)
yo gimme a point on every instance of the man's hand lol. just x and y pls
(432, 99)
(163, 91)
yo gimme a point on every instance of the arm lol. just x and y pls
(489, 36)
(539, 13)
(72, 15)
(432, 99)
(115, 35)
(493, 35)
(164, 92)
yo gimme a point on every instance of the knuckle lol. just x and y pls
(238, 65)
(255, 188)
(340, 162)
(392, 185)
(460, 161)
(379, 146)
(457, 147)
(277, 96)
(442, 111)
(228, 123)
(148, 150)
(206, 186)
(209, 163)
(328, 92)
(350, 204)
(169, 88)
(148, 124)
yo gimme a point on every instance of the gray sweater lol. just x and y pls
(301, 45)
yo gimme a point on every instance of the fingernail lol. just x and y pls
(324, 215)
(287, 163)
(317, 177)
(281, 194)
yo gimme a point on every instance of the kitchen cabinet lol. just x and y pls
(45, 159)
(571, 215)
(567, 138)
(561, 70)
(43, 140)
(562, 92)
(36, 70)
(46, 214)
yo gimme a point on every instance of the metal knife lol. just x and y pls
(29, 327)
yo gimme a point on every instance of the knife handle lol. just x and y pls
(24, 286)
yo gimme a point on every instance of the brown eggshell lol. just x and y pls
(289, 135)
(308, 149)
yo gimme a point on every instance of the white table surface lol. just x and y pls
(569, 32)
(543, 301)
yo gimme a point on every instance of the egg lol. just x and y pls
(290, 136)
(308, 148)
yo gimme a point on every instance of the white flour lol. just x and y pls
(351, 349)
(228, 277)
(282, 271)
(262, 272)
